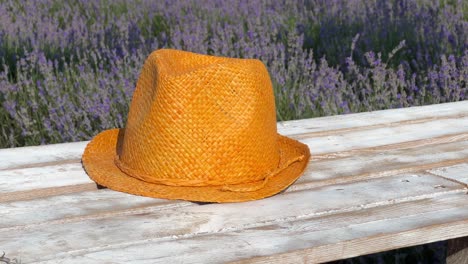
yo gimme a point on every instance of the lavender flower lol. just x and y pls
(72, 74)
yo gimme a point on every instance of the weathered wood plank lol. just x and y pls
(309, 240)
(46, 192)
(366, 120)
(21, 184)
(76, 205)
(50, 154)
(457, 172)
(48, 238)
(457, 251)
(344, 148)
(307, 134)
(385, 163)
(319, 173)
(42, 177)
(45, 155)
(374, 237)
(15, 180)
(453, 130)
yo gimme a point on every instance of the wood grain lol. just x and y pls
(19, 181)
(78, 205)
(382, 164)
(311, 240)
(453, 130)
(458, 172)
(374, 126)
(366, 120)
(50, 154)
(22, 184)
(457, 250)
(42, 177)
(155, 222)
(40, 155)
(389, 158)
(46, 192)
(377, 181)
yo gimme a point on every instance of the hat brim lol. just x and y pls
(98, 161)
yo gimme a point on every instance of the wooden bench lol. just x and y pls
(377, 181)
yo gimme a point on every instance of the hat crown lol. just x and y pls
(198, 120)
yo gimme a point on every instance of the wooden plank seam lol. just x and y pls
(450, 179)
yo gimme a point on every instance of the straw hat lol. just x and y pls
(200, 128)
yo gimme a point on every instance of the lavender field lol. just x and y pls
(68, 68)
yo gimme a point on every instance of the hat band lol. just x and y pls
(254, 186)
(239, 187)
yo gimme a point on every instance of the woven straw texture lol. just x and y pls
(200, 128)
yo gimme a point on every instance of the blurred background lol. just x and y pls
(68, 68)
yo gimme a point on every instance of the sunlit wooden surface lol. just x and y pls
(377, 181)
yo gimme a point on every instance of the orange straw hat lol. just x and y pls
(200, 128)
